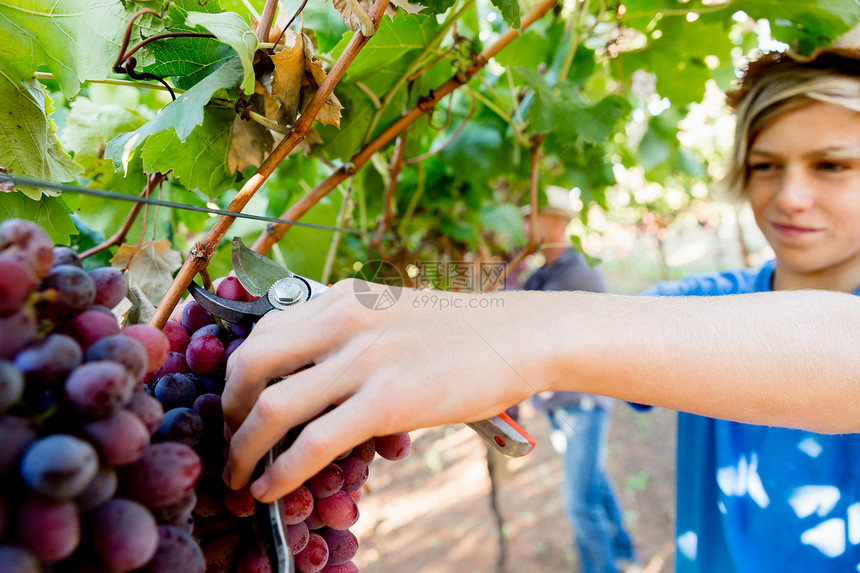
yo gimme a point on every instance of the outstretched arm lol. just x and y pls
(785, 358)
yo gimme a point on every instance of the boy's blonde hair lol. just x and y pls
(776, 84)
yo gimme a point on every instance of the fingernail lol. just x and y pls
(227, 475)
(260, 487)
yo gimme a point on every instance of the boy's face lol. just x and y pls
(804, 189)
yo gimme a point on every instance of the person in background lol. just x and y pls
(771, 354)
(579, 422)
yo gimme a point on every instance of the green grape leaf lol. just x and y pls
(327, 24)
(28, 143)
(199, 162)
(805, 24)
(510, 10)
(76, 39)
(436, 6)
(182, 115)
(502, 219)
(531, 49)
(89, 126)
(50, 213)
(230, 29)
(592, 123)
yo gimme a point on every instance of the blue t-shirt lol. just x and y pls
(760, 499)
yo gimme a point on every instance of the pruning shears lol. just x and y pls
(279, 289)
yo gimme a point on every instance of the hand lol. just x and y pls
(420, 363)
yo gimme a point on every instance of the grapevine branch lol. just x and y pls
(394, 169)
(534, 180)
(199, 258)
(118, 237)
(275, 233)
(266, 19)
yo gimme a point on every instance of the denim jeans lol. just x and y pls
(579, 433)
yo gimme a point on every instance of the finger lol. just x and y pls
(270, 352)
(321, 441)
(282, 406)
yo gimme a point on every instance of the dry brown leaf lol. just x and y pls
(250, 144)
(150, 267)
(349, 17)
(288, 77)
(329, 113)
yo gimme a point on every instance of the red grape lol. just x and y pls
(59, 466)
(355, 473)
(232, 289)
(17, 282)
(147, 408)
(50, 529)
(175, 391)
(98, 389)
(177, 551)
(298, 536)
(69, 291)
(29, 243)
(90, 326)
(16, 331)
(120, 348)
(181, 425)
(194, 316)
(174, 364)
(221, 553)
(240, 502)
(338, 511)
(111, 286)
(297, 506)
(166, 472)
(120, 438)
(394, 447)
(365, 451)
(101, 489)
(176, 513)
(154, 341)
(50, 359)
(176, 335)
(205, 354)
(314, 556)
(342, 545)
(125, 535)
(326, 482)
(255, 559)
(66, 256)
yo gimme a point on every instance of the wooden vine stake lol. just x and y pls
(203, 251)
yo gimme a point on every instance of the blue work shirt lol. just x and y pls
(760, 499)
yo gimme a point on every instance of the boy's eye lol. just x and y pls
(762, 166)
(829, 166)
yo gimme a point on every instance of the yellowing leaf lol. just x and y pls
(150, 267)
(288, 77)
(250, 144)
(297, 77)
(329, 113)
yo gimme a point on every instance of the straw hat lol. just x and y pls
(557, 203)
(842, 55)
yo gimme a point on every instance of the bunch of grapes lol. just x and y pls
(111, 440)
(83, 481)
(317, 516)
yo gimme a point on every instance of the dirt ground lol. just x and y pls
(432, 512)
